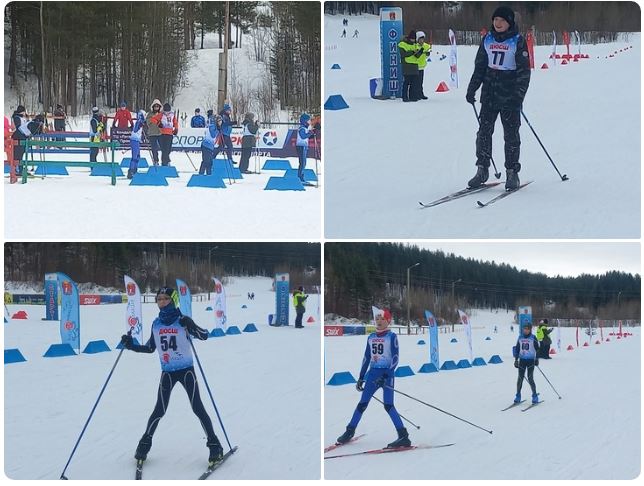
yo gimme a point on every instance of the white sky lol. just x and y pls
(565, 259)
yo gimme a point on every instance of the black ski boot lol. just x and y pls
(481, 177)
(511, 180)
(143, 448)
(347, 436)
(216, 451)
(402, 440)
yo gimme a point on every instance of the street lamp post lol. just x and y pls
(409, 298)
(210, 250)
(453, 285)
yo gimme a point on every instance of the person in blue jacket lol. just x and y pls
(525, 353)
(381, 357)
(170, 337)
(198, 121)
(208, 145)
(135, 143)
(226, 130)
(304, 132)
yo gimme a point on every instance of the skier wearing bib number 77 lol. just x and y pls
(502, 66)
(170, 337)
(381, 357)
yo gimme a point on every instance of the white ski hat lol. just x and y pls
(420, 34)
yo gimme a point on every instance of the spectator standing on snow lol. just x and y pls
(409, 54)
(96, 129)
(226, 131)
(344, 33)
(153, 132)
(422, 61)
(543, 336)
(169, 127)
(355, 33)
(249, 140)
(502, 67)
(123, 117)
(299, 297)
(304, 132)
(198, 121)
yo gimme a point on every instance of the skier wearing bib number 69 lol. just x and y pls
(502, 66)
(525, 353)
(381, 357)
(170, 337)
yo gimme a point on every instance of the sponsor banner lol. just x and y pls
(282, 290)
(35, 299)
(353, 330)
(87, 299)
(453, 60)
(8, 298)
(133, 312)
(219, 304)
(391, 32)
(333, 330)
(524, 316)
(468, 331)
(185, 299)
(113, 299)
(69, 312)
(433, 339)
(272, 142)
(51, 297)
(529, 40)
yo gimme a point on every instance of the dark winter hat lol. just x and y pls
(412, 35)
(21, 109)
(209, 112)
(59, 106)
(197, 110)
(526, 324)
(300, 288)
(505, 13)
(167, 107)
(123, 104)
(165, 291)
(544, 321)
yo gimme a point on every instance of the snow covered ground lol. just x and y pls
(593, 432)
(266, 386)
(383, 157)
(82, 207)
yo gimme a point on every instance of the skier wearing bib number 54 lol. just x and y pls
(381, 357)
(502, 66)
(170, 337)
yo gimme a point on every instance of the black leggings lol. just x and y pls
(522, 368)
(188, 380)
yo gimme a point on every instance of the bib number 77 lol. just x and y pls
(499, 57)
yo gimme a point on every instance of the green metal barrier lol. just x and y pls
(46, 143)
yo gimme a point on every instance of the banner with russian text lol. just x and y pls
(51, 296)
(133, 312)
(69, 312)
(433, 338)
(185, 298)
(282, 290)
(465, 320)
(219, 305)
(529, 40)
(391, 33)
(453, 61)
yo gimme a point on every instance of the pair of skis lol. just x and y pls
(466, 192)
(212, 467)
(384, 450)
(515, 404)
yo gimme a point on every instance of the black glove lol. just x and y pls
(360, 385)
(536, 362)
(419, 53)
(187, 322)
(127, 341)
(516, 363)
(381, 381)
(469, 97)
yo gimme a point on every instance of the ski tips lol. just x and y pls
(564, 178)
(497, 175)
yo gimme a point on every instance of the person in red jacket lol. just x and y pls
(123, 117)
(168, 126)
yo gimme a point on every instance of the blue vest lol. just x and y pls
(302, 137)
(526, 347)
(383, 350)
(501, 55)
(172, 344)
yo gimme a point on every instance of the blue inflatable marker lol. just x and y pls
(449, 365)
(336, 66)
(453, 340)
(212, 181)
(13, 356)
(148, 179)
(59, 350)
(208, 308)
(335, 102)
(96, 347)
(217, 332)
(479, 362)
(463, 364)
(428, 368)
(421, 342)
(250, 328)
(403, 371)
(488, 338)
(496, 359)
(143, 163)
(244, 306)
(232, 330)
(51, 169)
(284, 184)
(105, 170)
(277, 164)
(163, 170)
(341, 378)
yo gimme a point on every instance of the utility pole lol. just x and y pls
(453, 301)
(222, 92)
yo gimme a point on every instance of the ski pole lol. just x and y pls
(62, 475)
(497, 174)
(563, 177)
(209, 392)
(187, 153)
(553, 388)
(436, 408)
(220, 143)
(401, 415)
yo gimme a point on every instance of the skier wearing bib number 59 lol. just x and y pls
(502, 66)
(170, 337)
(381, 357)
